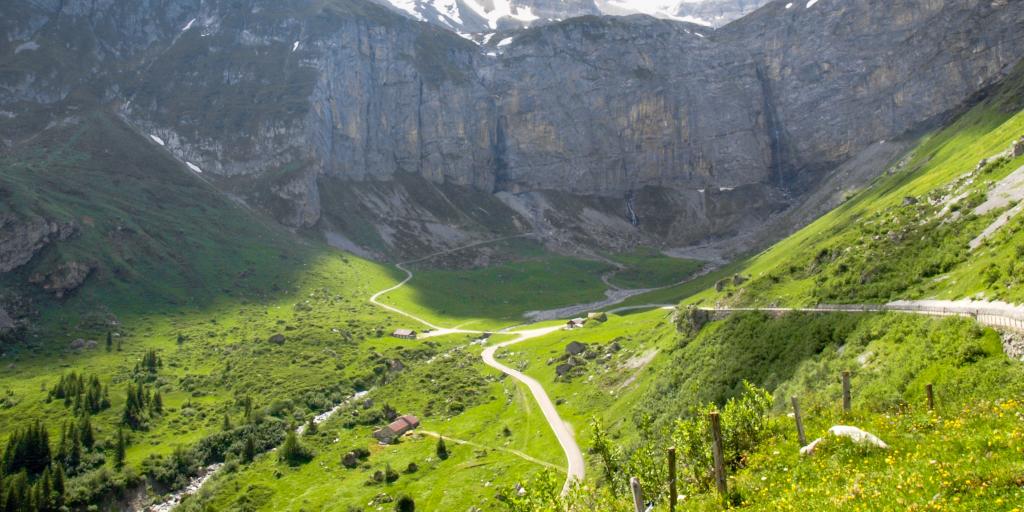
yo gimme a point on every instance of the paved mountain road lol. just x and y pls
(576, 468)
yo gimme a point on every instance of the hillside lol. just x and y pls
(906, 236)
(234, 329)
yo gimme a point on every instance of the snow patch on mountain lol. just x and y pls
(657, 8)
(480, 16)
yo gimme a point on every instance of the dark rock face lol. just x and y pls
(6, 322)
(617, 130)
(20, 239)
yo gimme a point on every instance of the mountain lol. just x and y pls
(396, 138)
(468, 17)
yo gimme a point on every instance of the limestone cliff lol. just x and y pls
(619, 128)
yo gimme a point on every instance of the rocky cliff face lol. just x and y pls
(658, 130)
(21, 238)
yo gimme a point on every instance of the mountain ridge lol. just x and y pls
(553, 126)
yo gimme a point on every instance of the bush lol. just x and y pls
(293, 452)
(745, 424)
(405, 504)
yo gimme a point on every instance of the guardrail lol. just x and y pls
(992, 317)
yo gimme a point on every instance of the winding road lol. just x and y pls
(576, 468)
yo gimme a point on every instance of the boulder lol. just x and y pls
(857, 436)
(575, 348)
(22, 238)
(597, 317)
(809, 449)
(909, 201)
(277, 339)
(563, 369)
(1018, 148)
(78, 344)
(6, 322)
(350, 460)
(63, 279)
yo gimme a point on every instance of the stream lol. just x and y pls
(208, 472)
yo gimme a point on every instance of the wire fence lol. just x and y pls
(993, 317)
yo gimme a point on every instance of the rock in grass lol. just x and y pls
(809, 449)
(277, 339)
(853, 433)
(575, 348)
(858, 436)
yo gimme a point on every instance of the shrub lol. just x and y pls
(745, 424)
(293, 452)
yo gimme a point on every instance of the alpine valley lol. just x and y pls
(455, 255)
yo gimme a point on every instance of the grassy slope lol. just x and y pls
(648, 268)
(967, 455)
(174, 257)
(497, 296)
(438, 485)
(607, 389)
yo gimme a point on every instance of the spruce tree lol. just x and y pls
(119, 449)
(292, 452)
(442, 449)
(58, 481)
(227, 423)
(249, 452)
(110, 341)
(311, 429)
(157, 405)
(87, 434)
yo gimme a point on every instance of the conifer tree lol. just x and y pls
(119, 449)
(156, 406)
(249, 452)
(292, 452)
(311, 429)
(110, 341)
(442, 449)
(86, 432)
(227, 423)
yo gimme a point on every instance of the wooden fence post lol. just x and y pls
(672, 493)
(846, 391)
(719, 457)
(931, 396)
(638, 494)
(799, 422)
